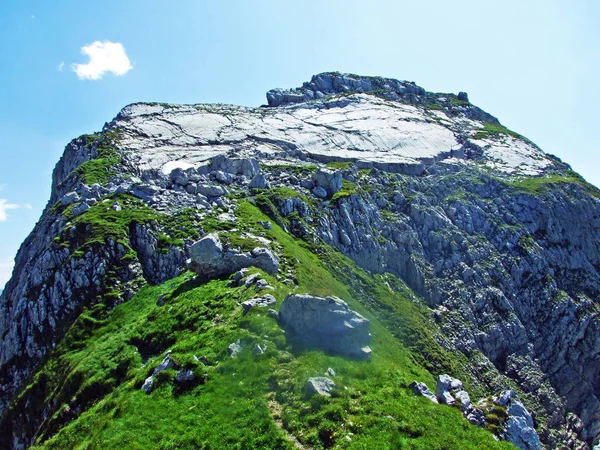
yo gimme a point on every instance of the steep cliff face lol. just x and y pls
(500, 240)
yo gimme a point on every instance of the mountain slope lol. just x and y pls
(423, 192)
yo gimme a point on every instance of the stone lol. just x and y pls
(273, 314)
(246, 167)
(239, 276)
(307, 183)
(208, 258)
(320, 385)
(69, 198)
(326, 323)
(330, 372)
(251, 279)
(211, 190)
(185, 376)
(330, 180)
(235, 348)
(259, 349)
(422, 390)
(319, 192)
(259, 302)
(79, 209)
(166, 363)
(446, 384)
(223, 177)
(263, 284)
(520, 429)
(463, 399)
(258, 182)
(462, 96)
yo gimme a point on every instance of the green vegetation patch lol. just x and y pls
(538, 185)
(101, 169)
(348, 188)
(491, 130)
(339, 165)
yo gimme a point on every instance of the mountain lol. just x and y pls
(301, 275)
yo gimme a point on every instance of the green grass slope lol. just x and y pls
(93, 378)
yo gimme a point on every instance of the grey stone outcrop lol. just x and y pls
(259, 302)
(166, 363)
(422, 390)
(209, 259)
(320, 385)
(327, 323)
(445, 389)
(520, 429)
(330, 83)
(330, 180)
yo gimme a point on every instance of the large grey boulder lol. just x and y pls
(330, 180)
(445, 388)
(327, 323)
(210, 260)
(422, 390)
(247, 167)
(320, 385)
(519, 428)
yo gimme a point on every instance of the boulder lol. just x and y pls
(463, 96)
(260, 302)
(208, 258)
(327, 323)
(258, 182)
(166, 363)
(319, 192)
(69, 198)
(330, 180)
(320, 385)
(519, 428)
(209, 190)
(185, 376)
(422, 390)
(247, 167)
(235, 348)
(444, 388)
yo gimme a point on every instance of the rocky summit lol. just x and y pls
(306, 274)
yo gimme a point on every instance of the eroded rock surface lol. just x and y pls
(208, 258)
(327, 323)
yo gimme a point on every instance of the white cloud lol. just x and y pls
(5, 207)
(6, 266)
(104, 57)
(60, 66)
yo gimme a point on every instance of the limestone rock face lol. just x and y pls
(500, 240)
(327, 323)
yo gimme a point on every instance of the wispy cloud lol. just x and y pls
(61, 66)
(32, 17)
(5, 206)
(6, 266)
(104, 57)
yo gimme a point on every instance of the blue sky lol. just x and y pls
(535, 65)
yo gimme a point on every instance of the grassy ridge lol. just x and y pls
(255, 400)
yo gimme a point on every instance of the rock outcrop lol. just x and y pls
(326, 323)
(209, 260)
